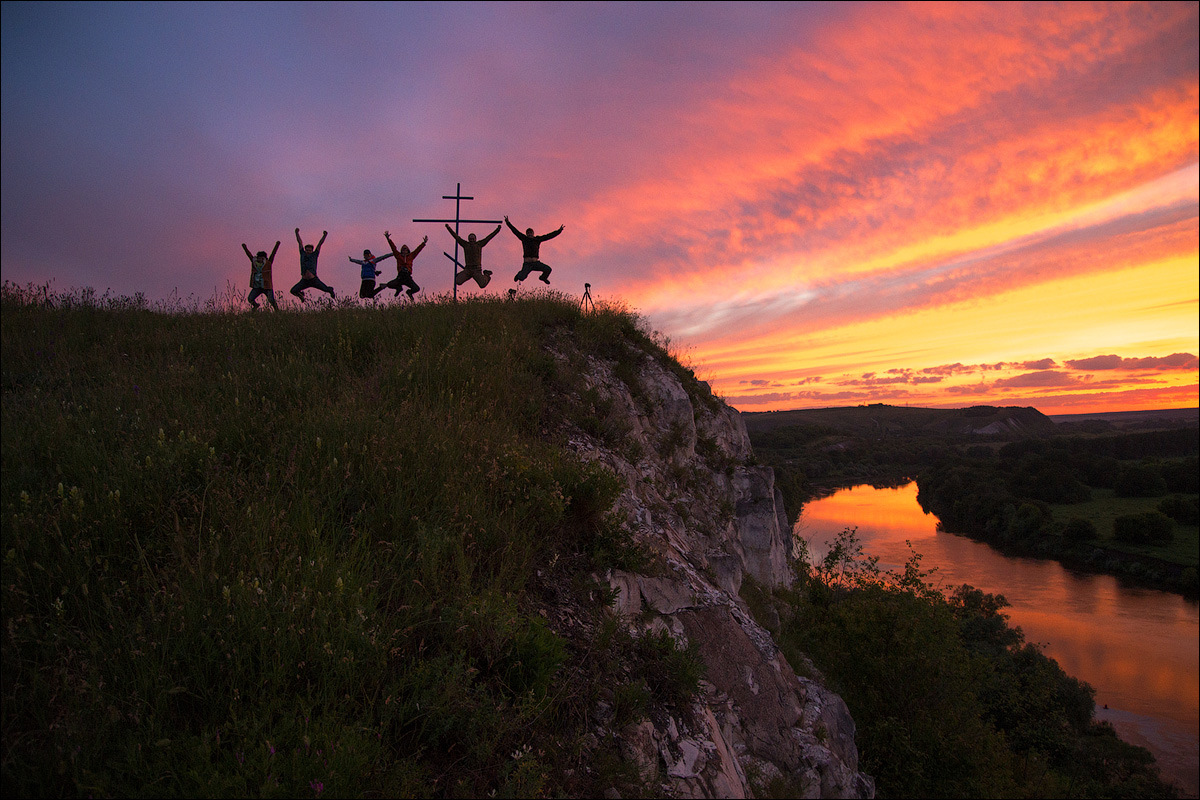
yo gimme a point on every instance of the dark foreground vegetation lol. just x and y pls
(949, 700)
(1098, 498)
(309, 553)
(295, 554)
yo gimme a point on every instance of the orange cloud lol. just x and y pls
(999, 333)
(861, 156)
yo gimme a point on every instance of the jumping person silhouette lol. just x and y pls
(404, 266)
(473, 258)
(308, 268)
(529, 246)
(260, 276)
(368, 290)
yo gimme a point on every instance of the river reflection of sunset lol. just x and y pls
(1137, 647)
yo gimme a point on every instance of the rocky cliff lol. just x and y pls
(692, 495)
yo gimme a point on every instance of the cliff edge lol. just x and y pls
(692, 495)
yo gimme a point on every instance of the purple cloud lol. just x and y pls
(1045, 363)
(1180, 361)
(969, 389)
(1038, 379)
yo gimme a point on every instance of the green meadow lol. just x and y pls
(1105, 507)
(303, 553)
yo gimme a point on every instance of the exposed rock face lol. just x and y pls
(691, 496)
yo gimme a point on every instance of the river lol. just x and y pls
(1138, 647)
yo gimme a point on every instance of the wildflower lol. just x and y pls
(317, 787)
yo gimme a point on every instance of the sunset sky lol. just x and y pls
(818, 204)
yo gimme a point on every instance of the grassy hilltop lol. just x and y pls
(301, 553)
(349, 552)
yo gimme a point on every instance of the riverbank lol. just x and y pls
(1173, 748)
(992, 503)
(1137, 647)
(1023, 482)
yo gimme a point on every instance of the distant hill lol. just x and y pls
(1128, 421)
(879, 420)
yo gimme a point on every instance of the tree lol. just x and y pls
(1152, 527)
(1181, 509)
(1140, 480)
(1079, 530)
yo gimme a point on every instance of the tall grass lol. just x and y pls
(294, 554)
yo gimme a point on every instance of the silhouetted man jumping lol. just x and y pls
(473, 258)
(308, 268)
(260, 276)
(529, 246)
(404, 267)
(367, 290)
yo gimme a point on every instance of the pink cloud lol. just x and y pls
(1044, 363)
(1175, 361)
(1037, 379)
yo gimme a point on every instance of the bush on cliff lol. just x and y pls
(948, 699)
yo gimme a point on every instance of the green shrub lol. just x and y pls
(1181, 509)
(1140, 480)
(1079, 530)
(947, 698)
(1182, 474)
(631, 702)
(1151, 527)
(675, 672)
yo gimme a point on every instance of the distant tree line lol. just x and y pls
(1004, 497)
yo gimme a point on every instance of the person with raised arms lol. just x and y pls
(404, 267)
(308, 268)
(369, 272)
(260, 276)
(530, 244)
(472, 266)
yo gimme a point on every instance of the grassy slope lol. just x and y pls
(1104, 507)
(288, 554)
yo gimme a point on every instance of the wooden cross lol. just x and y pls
(458, 197)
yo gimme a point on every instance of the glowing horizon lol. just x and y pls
(819, 204)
